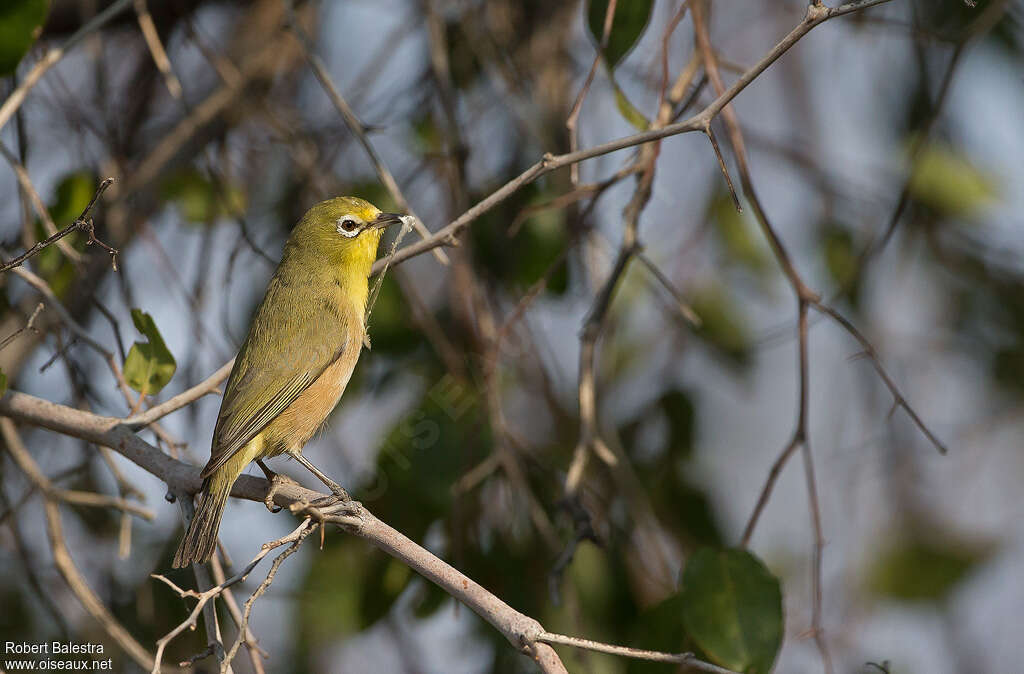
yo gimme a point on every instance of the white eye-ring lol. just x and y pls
(349, 226)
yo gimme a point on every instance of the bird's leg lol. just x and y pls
(276, 480)
(338, 492)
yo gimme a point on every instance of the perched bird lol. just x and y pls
(302, 346)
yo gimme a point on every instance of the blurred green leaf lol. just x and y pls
(841, 259)
(722, 324)
(918, 570)
(74, 192)
(424, 454)
(329, 597)
(21, 22)
(517, 251)
(426, 135)
(739, 236)
(391, 330)
(629, 111)
(948, 183)
(628, 24)
(384, 578)
(149, 365)
(732, 607)
(200, 200)
(3, 382)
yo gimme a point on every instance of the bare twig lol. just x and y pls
(256, 654)
(446, 236)
(32, 195)
(574, 115)
(156, 48)
(157, 412)
(243, 627)
(520, 630)
(50, 59)
(83, 223)
(209, 595)
(358, 129)
(687, 660)
(28, 327)
(61, 556)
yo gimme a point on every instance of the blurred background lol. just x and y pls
(460, 424)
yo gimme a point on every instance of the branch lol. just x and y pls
(17, 97)
(62, 557)
(83, 223)
(523, 632)
(358, 129)
(447, 235)
(688, 660)
(183, 399)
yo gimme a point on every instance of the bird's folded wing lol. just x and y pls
(269, 374)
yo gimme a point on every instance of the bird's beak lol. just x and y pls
(387, 219)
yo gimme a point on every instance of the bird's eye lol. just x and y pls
(348, 227)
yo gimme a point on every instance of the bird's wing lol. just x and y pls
(281, 357)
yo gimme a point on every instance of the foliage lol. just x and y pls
(732, 607)
(918, 570)
(150, 365)
(21, 21)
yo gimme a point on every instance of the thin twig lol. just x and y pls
(83, 223)
(61, 556)
(156, 48)
(688, 660)
(447, 235)
(358, 129)
(208, 595)
(28, 327)
(50, 59)
(574, 115)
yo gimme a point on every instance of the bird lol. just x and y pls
(302, 346)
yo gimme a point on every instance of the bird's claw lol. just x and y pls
(276, 481)
(343, 503)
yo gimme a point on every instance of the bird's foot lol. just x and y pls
(276, 481)
(341, 503)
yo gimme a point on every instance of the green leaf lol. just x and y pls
(738, 235)
(391, 332)
(149, 366)
(722, 324)
(200, 200)
(519, 254)
(948, 183)
(3, 382)
(918, 570)
(842, 259)
(628, 24)
(384, 578)
(21, 22)
(629, 111)
(74, 192)
(330, 599)
(733, 609)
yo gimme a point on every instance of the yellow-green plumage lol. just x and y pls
(303, 344)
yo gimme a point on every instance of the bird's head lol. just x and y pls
(342, 231)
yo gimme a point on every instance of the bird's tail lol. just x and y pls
(200, 538)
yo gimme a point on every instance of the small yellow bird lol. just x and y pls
(302, 346)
